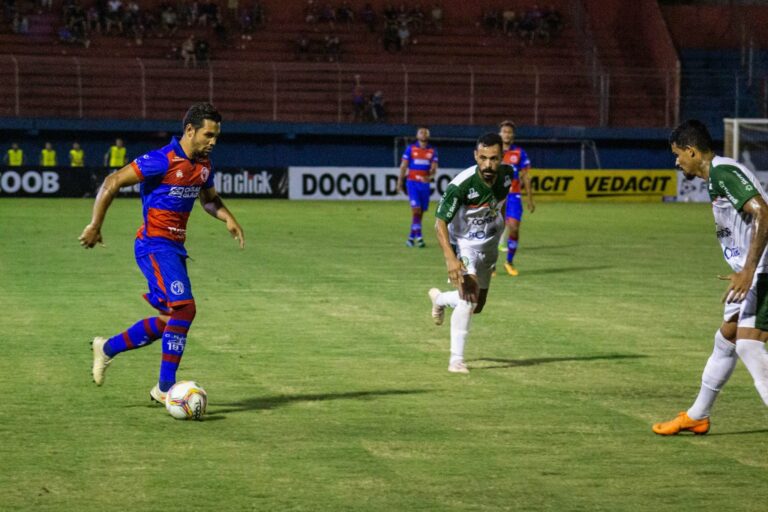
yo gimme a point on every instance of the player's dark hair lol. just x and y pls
(422, 126)
(490, 139)
(691, 133)
(509, 123)
(198, 113)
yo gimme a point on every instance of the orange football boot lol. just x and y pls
(680, 423)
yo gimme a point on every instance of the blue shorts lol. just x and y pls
(418, 194)
(166, 274)
(514, 209)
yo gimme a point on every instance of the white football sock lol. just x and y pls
(504, 238)
(450, 299)
(755, 358)
(460, 320)
(716, 373)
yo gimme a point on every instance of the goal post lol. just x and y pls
(746, 140)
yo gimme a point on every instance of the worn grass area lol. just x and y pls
(327, 381)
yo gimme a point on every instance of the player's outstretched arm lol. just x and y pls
(213, 204)
(452, 263)
(401, 177)
(740, 282)
(125, 177)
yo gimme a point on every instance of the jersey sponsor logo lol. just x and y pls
(472, 194)
(731, 252)
(727, 192)
(481, 221)
(177, 287)
(184, 192)
(723, 233)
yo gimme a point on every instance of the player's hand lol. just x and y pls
(738, 287)
(456, 271)
(236, 231)
(401, 186)
(531, 206)
(90, 236)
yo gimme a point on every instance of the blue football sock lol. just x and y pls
(511, 248)
(174, 341)
(140, 334)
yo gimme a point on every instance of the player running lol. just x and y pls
(420, 163)
(741, 219)
(471, 206)
(518, 158)
(171, 179)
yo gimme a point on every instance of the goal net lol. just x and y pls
(746, 140)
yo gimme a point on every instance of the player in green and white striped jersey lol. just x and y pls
(472, 206)
(740, 207)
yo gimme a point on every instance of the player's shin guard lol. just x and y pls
(716, 373)
(460, 320)
(174, 341)
(755, 358)
(140, 334)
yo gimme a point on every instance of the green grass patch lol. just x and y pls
(327, 380)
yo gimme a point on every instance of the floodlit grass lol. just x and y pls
(327, 380)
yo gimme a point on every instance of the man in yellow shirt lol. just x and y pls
(14, 157)
(76, 156)
(115, 157)
(48, 156)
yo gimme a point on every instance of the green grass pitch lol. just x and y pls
(327, 379)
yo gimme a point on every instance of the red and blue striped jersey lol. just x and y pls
(517, 158)
(170, 184)
(419, 161)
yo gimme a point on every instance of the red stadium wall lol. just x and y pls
(714, 27)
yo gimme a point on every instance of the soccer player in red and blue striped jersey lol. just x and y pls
(517, 158)
(171, 178)
(419, 166)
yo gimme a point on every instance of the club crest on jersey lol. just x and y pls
(472, 194)
(205, 173)
(179, 174)
(177, 287)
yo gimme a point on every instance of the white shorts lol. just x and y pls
(753, 310)
(479, 264)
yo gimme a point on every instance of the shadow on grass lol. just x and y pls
(743, 432)
(272, 402)
(513, 363)
(564, 270)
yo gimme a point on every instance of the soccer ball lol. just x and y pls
(186, 400)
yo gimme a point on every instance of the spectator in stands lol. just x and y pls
(332, 48)
(416, 18)
(345, 15)
(390, 14)
(115, 157)
(553, 20)
(311, 12)
(246, 24)
(491, 20)
(46, 4)
(328, 15)
(509, 21)
(258, 15)
(403, 36)
(436, 18)
(188, 52)
(530, 24)
(20, 24)
(391, 38)
(358, 101)
(368, 16)
(14, 157)
(114, 16)
(93, 19)
(48, 156)
(202, 51)
(303, 45)
(170, 21)
(76, 156)
(208, 13)
(378, 113)
(232, 7)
